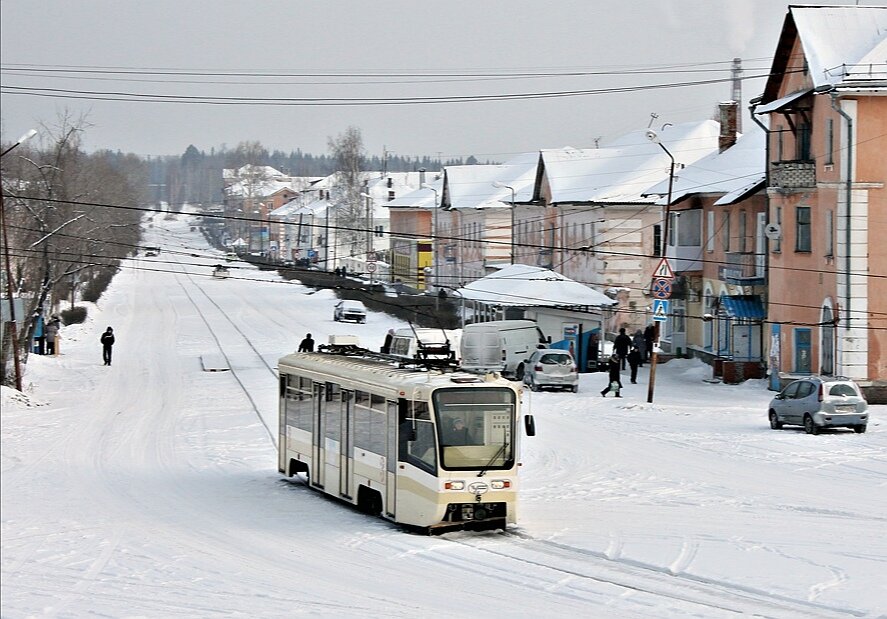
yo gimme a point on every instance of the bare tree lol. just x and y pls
(350, 213)
(69, 215)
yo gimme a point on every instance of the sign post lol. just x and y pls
(661, 290)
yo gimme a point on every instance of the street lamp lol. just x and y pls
(434, 235)
(12, 321)
(503, 185)
(654, 137)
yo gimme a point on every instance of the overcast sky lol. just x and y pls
(344, 51)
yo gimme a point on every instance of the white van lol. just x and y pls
(405, 343)
(500, 346)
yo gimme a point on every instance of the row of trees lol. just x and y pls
(69, 217)
(196, 176)
(72, 216)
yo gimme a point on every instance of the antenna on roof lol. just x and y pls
(653, 116)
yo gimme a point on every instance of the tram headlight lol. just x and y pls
(454, 485)
(500, 484)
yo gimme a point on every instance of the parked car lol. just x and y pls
(818, 402)
(350, 310)
(549, 367)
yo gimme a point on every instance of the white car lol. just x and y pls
(550, 367)
(818, 402)
(350, 310)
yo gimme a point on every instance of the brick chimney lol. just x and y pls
(728, 111)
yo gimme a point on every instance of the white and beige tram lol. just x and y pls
(428, 448)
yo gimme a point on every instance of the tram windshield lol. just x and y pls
(475, 427)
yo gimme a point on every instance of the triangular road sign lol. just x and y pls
(663, 271)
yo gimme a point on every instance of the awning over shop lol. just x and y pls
(747, 306)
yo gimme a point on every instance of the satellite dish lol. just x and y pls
(773, 232)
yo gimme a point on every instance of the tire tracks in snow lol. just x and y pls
(637, 578)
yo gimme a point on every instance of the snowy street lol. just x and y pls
(150, 488)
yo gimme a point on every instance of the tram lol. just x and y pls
(431, 448)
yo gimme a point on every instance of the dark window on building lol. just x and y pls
(829, 141)
(657, 239)
(802, 228)
(803, 142)
(777, 244)
(725, 231)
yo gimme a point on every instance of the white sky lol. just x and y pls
(358, 37)
(150, 488)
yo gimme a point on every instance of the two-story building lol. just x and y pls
(599, 221)
(827, 109)
(716, 249)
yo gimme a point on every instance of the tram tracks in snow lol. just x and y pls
(221, 347)
(632, 577)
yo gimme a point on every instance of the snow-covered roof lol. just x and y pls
(524, 285)
(734, 172)
(839, 40)
(471, 186)
(262, 188)
(419, 198)
(622, 171)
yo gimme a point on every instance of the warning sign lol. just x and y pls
(663, 271)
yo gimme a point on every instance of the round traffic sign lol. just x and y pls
(371, 267)
(661, 288)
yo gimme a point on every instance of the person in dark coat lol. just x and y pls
(458, 434)
(621, 345)
(649, 338)
(386, 346)
(638, 340)
(307, 344)
(107, 343)
(615, 382)
(52, 333)
(634, 360)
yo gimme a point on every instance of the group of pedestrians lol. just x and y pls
(635, 351)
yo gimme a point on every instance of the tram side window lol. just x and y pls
(332, 411)
(420, 452)
(299, 403)
(370, 426)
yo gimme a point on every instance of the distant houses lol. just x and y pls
(770, 235)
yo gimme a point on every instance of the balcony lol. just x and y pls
(743, 269)
(789, 175)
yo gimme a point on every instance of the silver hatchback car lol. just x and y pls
(818, 402)
(549, 367)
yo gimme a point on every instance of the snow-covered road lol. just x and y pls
(150, 488)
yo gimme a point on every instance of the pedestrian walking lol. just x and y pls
(649, 338)
(107, 340)
(307, 344)
(621, 345)
(52, 334)
(386, 346)
(39, 334)
(638, 340)
(634, 360)
(615, 382)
